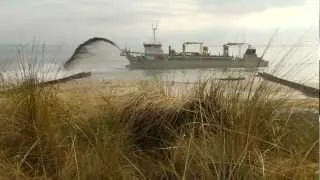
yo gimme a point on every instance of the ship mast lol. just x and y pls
(154, 28)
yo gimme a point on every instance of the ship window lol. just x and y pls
(152, 45)
(250, 51)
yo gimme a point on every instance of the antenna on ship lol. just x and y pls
(154, 28)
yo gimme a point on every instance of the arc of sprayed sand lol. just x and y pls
(81, 48)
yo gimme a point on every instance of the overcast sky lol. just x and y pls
(129, 21)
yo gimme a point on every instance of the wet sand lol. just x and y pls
(90, 85)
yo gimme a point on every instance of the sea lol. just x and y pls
(297, 62)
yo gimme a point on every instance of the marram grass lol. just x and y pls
(214, 130)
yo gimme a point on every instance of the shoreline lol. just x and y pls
(293, 88)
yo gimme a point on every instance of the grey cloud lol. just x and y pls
(120, 15)
(234, 7)
(79, 19)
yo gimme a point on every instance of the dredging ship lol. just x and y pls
(154, 57)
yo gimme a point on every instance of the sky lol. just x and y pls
(128, 22)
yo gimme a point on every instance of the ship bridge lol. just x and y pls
(152, 48)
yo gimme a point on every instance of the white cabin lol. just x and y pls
(153, 48)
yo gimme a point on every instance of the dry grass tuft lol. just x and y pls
(217, 130)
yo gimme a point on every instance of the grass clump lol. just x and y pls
(214, 130)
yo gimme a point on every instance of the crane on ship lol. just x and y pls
(203, 49)
(227, 45)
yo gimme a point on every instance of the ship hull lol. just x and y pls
(180, 63)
